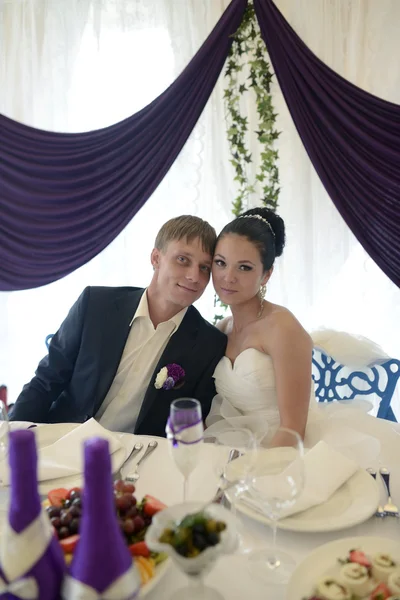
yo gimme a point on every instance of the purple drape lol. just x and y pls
(351, 136)
(65, 197)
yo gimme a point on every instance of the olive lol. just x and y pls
(213, 539)
(199, 541)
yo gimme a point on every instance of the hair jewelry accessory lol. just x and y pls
(261, 219)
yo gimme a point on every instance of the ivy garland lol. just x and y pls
(248, 70)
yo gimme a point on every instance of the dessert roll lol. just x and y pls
(394, 582)
(356, 578)
(382, 566)
(330, 588)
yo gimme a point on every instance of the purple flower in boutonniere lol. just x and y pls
(169, 376)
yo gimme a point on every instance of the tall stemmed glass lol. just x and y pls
(232, 460)
(231, 444)
(185, 433)
(277, 481)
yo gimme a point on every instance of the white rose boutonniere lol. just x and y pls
(161, 378)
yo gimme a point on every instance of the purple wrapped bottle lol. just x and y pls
(102, 563)
(32, 563)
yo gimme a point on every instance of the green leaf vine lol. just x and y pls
(248, 71)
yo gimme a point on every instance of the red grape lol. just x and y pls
(123, 502)
(128, 526)
(119, 485)
(131, 512)
(129, 488)
(74, 493)
(63, 533)
(65, 518)
(77, 502)
(53, 511)
(75, 511)
(56, 522)
(139, 523)
(74, 526)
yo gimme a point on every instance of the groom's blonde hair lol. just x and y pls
(190, 228)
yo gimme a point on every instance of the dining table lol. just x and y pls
(234, 575)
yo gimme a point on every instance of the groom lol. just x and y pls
(104, 360)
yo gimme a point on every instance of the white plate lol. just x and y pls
(161, 569)
(353, 503)
(321, 562)
(48, 434)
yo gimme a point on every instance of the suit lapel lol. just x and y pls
(177, 350)
(113, 340)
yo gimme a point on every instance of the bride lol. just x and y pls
(265, 378)
(264, 382)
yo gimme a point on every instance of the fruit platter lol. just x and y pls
(64, 508)
(359, 576)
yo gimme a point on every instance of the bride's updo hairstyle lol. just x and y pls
(264, 228)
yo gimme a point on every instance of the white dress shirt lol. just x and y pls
(143, 349)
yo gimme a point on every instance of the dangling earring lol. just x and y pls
(261, 294)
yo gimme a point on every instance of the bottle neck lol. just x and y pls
(98, 499)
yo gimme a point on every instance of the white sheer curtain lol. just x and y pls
(325, 276)
(84, 64)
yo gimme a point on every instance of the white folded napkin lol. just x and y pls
(325, 471)
(64, 457)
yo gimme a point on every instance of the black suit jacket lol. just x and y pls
(72, 381)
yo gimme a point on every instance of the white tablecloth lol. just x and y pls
(231, 576)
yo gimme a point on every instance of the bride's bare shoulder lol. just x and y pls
(283, 322)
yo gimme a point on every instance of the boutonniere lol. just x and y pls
(169, 377)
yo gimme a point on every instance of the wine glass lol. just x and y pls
(185, 432)
(197, 567)
(232, 460)
(276, 483)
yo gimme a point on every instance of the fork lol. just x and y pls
(136, 448)
(135, 475)
(220, 497)
(380, 512)
(391, 510)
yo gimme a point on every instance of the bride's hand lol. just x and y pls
(282, 438)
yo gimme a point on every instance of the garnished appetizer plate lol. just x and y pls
(361, 568)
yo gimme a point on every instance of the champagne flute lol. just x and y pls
(185, 432)
(277, 481)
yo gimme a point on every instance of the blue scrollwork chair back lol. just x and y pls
(334, 381)
(48, 340)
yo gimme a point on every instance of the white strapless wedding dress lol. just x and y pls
(246, 394)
